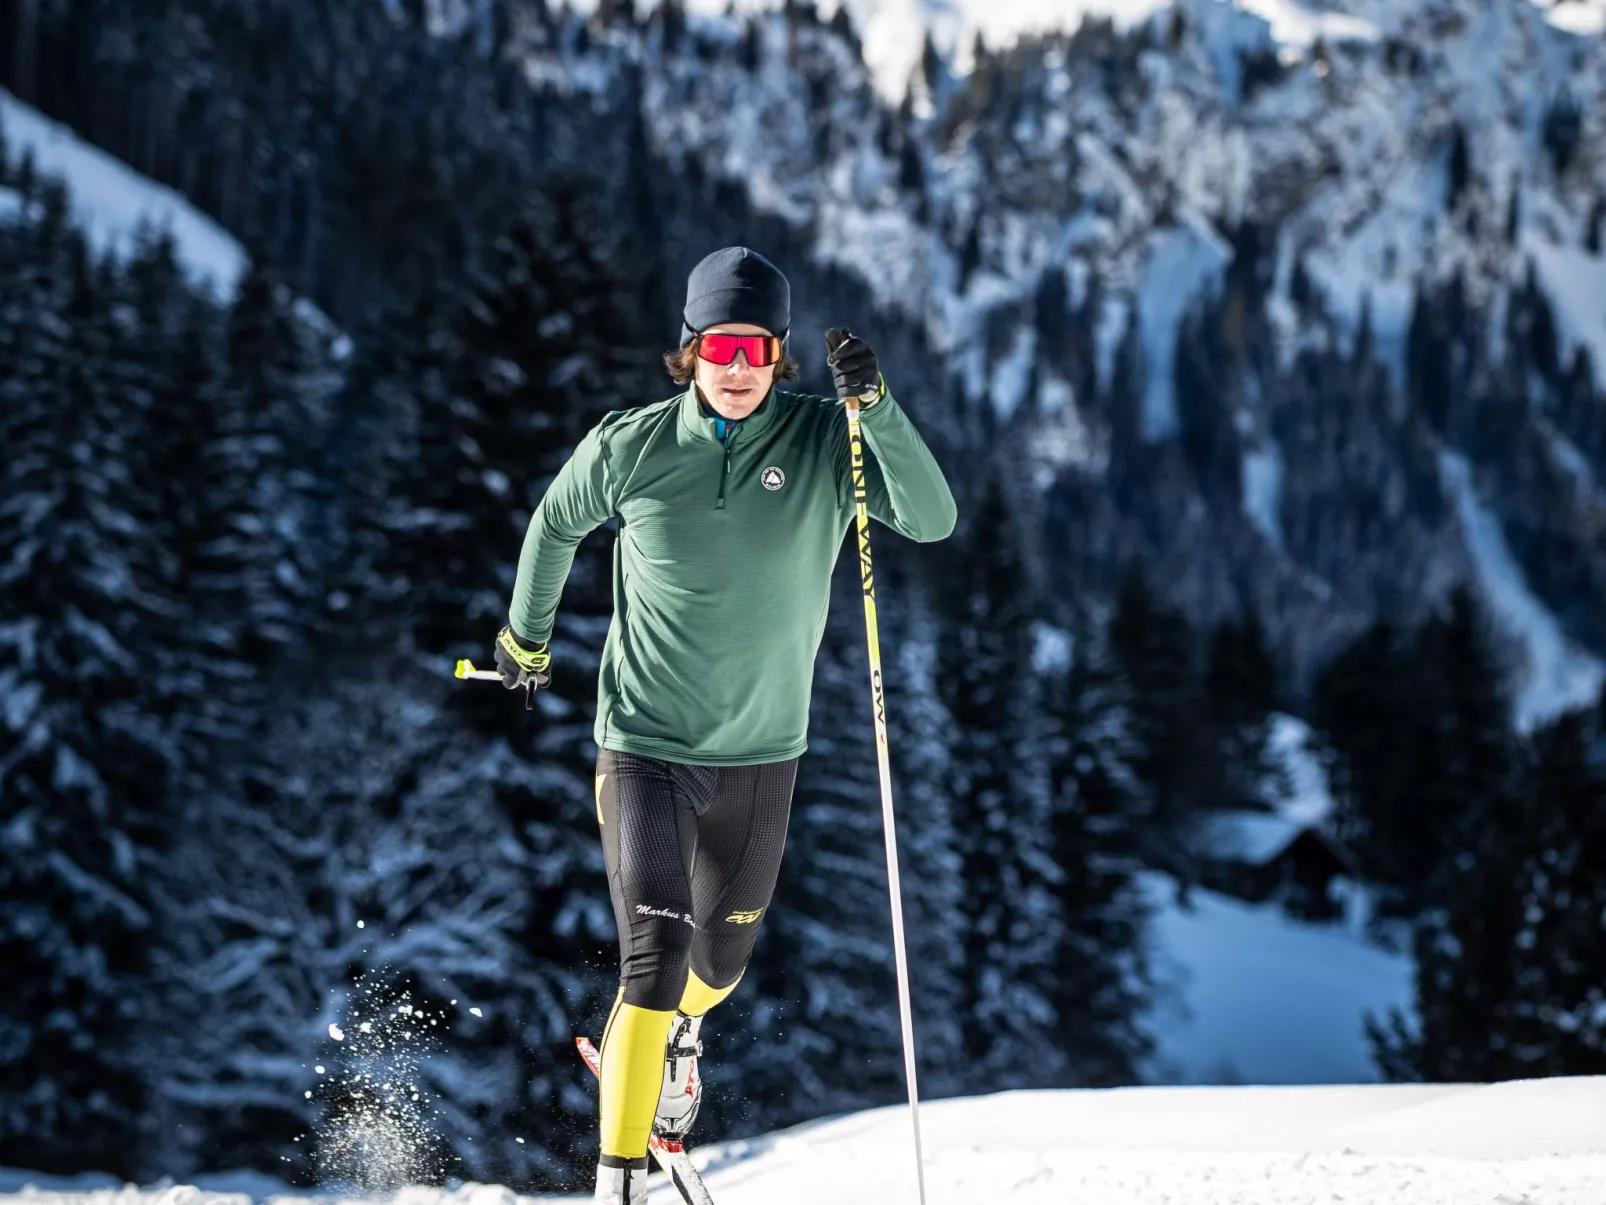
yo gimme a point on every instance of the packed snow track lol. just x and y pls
(1532, 1142)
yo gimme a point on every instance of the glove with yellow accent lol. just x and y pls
(853, 367)
(522, 663)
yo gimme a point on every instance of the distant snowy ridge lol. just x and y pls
(894, 31)
(112, 202)
(1538, 1142)
(1556, 676)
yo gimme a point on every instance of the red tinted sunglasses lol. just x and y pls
(761, 350)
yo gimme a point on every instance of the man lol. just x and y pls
(732, 500)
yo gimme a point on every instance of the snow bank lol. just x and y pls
(113, 202)
(1539, 1142)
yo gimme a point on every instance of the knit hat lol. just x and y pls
(736, 285)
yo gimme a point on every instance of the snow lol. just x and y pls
(1576, 285)
(1262, 998)
(1583, 17)
(1012, 373)
(1263, 489)
(1309, 802)
(1538, 1142)
(1254, 837)
(114, 203)
(1181, 262)
(1230, 32)
(1052, 649)
(893, 31)
(1557, 676)
(1293, 24)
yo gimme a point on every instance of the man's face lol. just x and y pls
(735, 389)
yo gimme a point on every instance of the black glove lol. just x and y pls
(522, 663)
(853, 366)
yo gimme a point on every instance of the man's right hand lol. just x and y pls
(520, 662)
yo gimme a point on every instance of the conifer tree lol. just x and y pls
(84, 762)
(1011, 919)
(1152, 644)
(1099, 808)
(1240, 690)
(1507, 986)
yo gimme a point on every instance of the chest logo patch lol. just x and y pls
(772, 478)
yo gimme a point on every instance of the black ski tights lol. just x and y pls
(693, 853)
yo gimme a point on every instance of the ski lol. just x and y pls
(671, 1156)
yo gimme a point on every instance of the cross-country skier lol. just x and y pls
(732, 499)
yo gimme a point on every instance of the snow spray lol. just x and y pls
(375, 1135)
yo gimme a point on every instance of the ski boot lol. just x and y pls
(622, 1181)
(682, 1093)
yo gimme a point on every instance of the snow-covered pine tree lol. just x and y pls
(1241, 691)
(1153, 646)
(1361, 705)
(1100, 805)
(1506, 979)
(407, 839)
(255, 566)
(1465, 755)
(1012, 925)
(922, 739)
(84, 756)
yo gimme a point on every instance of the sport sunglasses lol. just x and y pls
(761, 350)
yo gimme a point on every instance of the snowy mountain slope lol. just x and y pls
(1557, 675)
(1535, 1141)
(1309, 175)
(113, 202)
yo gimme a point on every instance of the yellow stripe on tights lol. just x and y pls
(698, 997)
(632, 1078)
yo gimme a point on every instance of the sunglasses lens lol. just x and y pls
(760, 350)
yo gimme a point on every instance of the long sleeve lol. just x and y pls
(904, 488)
(578, 501)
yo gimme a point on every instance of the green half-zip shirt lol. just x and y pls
(722, 563)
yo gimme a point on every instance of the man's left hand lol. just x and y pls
(853, 366)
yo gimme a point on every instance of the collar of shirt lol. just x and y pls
(701, 420)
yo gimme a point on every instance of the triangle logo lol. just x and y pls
(772, 478)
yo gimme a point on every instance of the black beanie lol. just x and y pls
(736, 285)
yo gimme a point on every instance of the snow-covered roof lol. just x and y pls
(1254, 837)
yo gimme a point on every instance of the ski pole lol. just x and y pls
(878, 702)
(465, 669)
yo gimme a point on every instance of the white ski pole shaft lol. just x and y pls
(879, 708)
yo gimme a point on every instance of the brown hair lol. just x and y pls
(682, 364)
